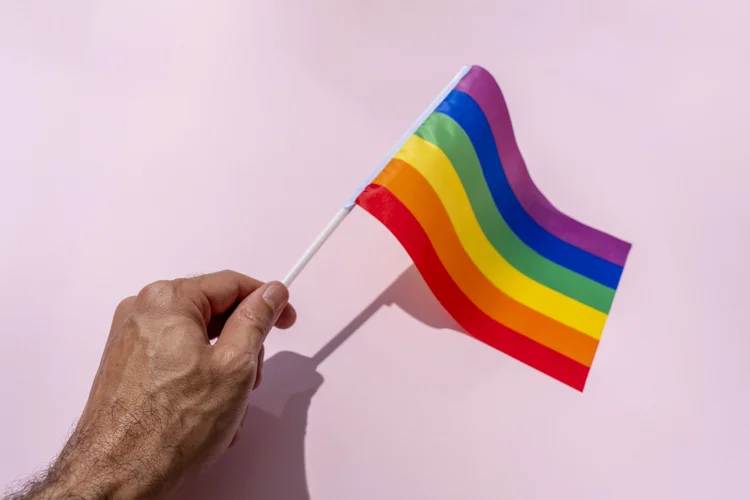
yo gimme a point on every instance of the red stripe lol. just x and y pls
(385, 207)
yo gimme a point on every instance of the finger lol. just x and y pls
(235, 438)
(247, 327)
(286, 320)
(259, 372)
(244, 416)
(216, 293)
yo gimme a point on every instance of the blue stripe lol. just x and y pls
(466, 112)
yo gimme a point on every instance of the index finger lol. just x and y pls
(216, 293)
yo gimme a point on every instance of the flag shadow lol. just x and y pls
(268, 463)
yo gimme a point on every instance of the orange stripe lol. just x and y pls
(385, 207)
(417, 195)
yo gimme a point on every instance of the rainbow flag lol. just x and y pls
(511, 269)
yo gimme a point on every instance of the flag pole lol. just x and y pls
(350, 203)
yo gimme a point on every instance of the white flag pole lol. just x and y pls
(350, 203)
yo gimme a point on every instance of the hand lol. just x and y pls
(166, 403)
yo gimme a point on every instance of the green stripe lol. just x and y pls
(442, 131)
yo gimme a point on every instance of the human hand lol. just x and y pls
(165, 403)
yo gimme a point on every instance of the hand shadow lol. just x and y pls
(268, 463)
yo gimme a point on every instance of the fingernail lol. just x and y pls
(275, 295)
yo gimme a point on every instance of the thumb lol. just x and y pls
(247, 327)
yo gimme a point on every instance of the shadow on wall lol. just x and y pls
(268, 463)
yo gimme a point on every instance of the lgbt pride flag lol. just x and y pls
(511, 269)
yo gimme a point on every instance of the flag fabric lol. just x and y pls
(511, 269)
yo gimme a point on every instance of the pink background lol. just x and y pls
(151, 139)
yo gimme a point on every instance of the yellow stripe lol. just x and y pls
(430, 161)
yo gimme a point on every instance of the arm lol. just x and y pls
(166, 403)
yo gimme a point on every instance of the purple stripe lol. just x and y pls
(483, 88)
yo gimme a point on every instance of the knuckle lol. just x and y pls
(255, 324)
(182, 287)
(158, 292)
(236, 363)
(254, 317)
(124, 306)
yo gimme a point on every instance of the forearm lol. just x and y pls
(73, 475)
(103, 462)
